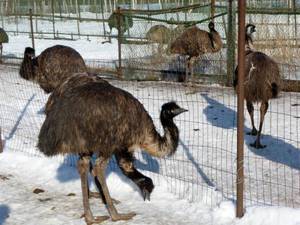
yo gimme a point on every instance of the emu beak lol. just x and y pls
(179, 111)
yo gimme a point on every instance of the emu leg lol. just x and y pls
(99, 170)
(1, 48)
(263, 110)
(250, 109)
(98, 185)
(187, 69)
(83, 166)
(125, 161)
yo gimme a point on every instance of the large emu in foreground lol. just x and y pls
(96, 117)
(194, 42)
(125, 159)
(52, 66)
(262, 82)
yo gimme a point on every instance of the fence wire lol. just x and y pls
(204, 166)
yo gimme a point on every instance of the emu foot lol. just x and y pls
(122, 216)
(97, 219)
(146, 186)
(253, 132)
(257, 145)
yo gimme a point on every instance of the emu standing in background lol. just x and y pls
(96, 117)
(194, 42)
(262, 82)
(3, 39)
(52, 66)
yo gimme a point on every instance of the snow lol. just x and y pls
(192, 187)
(19, 205)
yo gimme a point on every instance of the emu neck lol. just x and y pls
(171, 135)
(249, 42)
(27, 69)
(161, 146)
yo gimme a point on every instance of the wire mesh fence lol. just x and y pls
(203, 168)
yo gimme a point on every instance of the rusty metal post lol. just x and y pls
(119, 70)
(212, 9)
(230, 42)
(31, 28)
(1, 142)
(240, 122)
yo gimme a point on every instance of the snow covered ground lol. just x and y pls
(195, 186)
(61, 202)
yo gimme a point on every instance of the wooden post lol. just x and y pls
(213, 9)
(230, 43)
(119, 42)
(240, 122)
(31, 28)
(53, 19)
(295, 21)
(78, 20)
(103, 23)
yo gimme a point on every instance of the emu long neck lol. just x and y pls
(249, 43)
(27, 69)
(161, 146)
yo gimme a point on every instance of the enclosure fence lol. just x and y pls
(203, 168)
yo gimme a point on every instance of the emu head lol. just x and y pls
(250, 29)
(28, 64)
(211, 26)
(170, 110)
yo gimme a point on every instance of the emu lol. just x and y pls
(159, 34)
(125, 159)
(262, 82)
(96, 117)
(52, 66)
(194, 42)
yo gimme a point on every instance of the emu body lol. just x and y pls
(194, 42)
(52, 66)
(92, 116)
(262, 82)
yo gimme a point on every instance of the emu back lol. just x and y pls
(262, 77)
(57, 63)
(93, 117)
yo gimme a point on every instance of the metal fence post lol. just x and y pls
(230, 43)
(31, 28)
(1, 142)
(240, 125)
(119, 69)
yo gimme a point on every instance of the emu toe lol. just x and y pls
(95, 220)
(257, 145)
(122, 216)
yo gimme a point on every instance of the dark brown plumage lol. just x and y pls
(96, 117)
(124, 158)
(262, 82)
(52, 66)
(194, 42)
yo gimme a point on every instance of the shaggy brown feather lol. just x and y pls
(262, 72)
(194, 42)
(69, 128)
(88, 115)
(53, 66)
